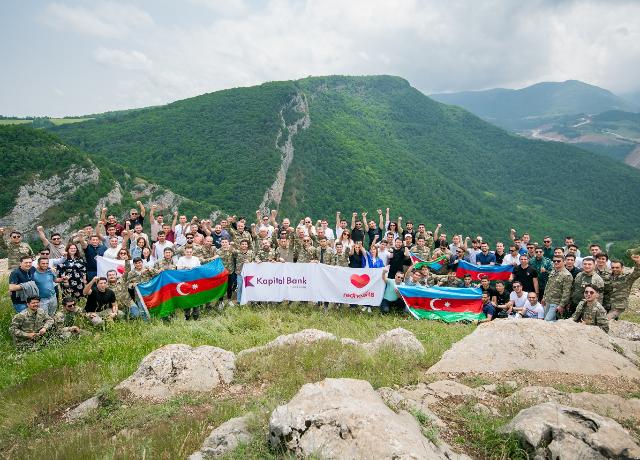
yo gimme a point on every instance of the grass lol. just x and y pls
(37, 387)
(55, 121)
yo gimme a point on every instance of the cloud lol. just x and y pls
(123, 59)
(107, 20)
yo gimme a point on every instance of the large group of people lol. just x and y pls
(57, 292)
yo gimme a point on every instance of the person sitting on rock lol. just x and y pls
(488, 308)
(532, 308)
(590, 311)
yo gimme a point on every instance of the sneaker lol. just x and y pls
(368, 309)
(363, 309)
(231, 304)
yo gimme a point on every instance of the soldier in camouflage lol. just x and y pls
(621, 281)
(558, 289)
(307, 253)
(602, 269)
(284, 252)
(31, 325)
(240, 233)
(228, 258)
(448, 280)
(166, 263)
(341, 257)
(206, 252)
(325, 254)
(420, 249)
(119, 287)
(15, 248)
(589, 311)
(68, 319)
(587, 276)
(243, 255)
(265, 253)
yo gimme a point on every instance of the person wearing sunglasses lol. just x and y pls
(557, 292)
(590, 311)
(15, 248)
(54, 244)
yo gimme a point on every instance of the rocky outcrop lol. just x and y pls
(82, 410)
(304, 337)
(36, 197)
(554, 431)
(564, 347)
(346, 418)
(607, 405)
(178, 368)
(113, 197)
(624, 330)
(398, 339)
(273, 195)
(224, 439)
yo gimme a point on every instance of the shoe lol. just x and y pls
(231, 304)
(368, 309)
(363, 309)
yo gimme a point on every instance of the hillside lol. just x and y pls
(361, 143)
(61, 187)
(528, 107)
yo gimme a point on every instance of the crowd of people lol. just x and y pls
(57, 292)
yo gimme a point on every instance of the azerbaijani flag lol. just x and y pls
(494, 272)
(435, 264)
(173, 289)
(443, 303)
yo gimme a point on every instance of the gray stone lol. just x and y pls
(304, 337)
(538, 346)
(549, 428)
(346, 418)
(624, 330)
(178, 368)
(83, 409)
(224, 439)
(399, 339)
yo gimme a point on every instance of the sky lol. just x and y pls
(80, 57)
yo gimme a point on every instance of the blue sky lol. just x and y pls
(77, 57)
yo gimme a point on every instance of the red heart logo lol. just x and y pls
(120, 269)
(360, 281)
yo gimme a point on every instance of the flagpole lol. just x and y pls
(142, 302)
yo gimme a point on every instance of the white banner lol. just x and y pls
(105, 264)
(275, 282)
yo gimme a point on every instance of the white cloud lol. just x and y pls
(123, 59)
(108, 20)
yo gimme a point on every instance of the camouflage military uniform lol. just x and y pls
(265, 255)
(307, 254)
(257, 244)
(237, 237)
(581, 280)
(178, 251)
(26, 322)
(621, 287)
(329, 257)
(558, 289)
(539, 264)
(422, 252)
(228, 259)
(285, 254)
(120, 289)
(64, 320)
(341, 260)
(592, 314)
(242, 258)
(205, 253)
(164, 264)
(444, 280)
(133, 277)
(15, 251)
(606, 292)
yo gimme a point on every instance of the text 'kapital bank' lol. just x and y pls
(284, 280)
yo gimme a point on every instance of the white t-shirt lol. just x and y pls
(533, 311)
(112, 253)
(188, 262)
(179, 232)
(328, 233)
(158, 248)
(384, 255)
(518, 301)
(511, 260)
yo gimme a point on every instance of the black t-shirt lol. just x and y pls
(490, 290)
(501, 299)
(357, 234)
(500, 257)
(134, 222)
(525, 276)
(356, 260)
(19, 276)
(371, 234)
(98, 301)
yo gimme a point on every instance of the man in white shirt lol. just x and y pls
(328, 232)
(517, 298)
(113, 248)
(160, 245)
(181, 230)
(532, 308)
(188, 260)
(513, 258)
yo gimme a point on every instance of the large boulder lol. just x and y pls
(346, 418)
(224, 439)
(398, 339)
(178, 368)
(558, 432)
(624, 330)
(607, 405)
(563, 346)
(304, 337)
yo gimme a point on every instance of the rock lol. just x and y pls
(224, 439)
(178, 368)
(606, 405)
(304, 337)
(346, 418)
(485, 410)
(399, 401)
(624, 330)
(584, 433)
(563, 346)
(399, 339)
(630, 349)
(495, 388)
(82, 409)
(349, 342)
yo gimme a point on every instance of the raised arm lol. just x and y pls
(387, 220)
(380, 220)
(400, 229)
(337, 220)
(174, 221)
(274, 213)
(143, 212)
(89, 286)
(436, 233)
(152, 217)
(42, 236)
(364, 221)
(353, 220)
(100, 230)
(512, 234)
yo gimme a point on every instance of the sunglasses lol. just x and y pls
(16, 237)
(589, 292)
(55, 238)
(557, 261)
(547, 241)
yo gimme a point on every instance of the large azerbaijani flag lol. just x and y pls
(494, 272)
(173, 289)
(435, 264)
(443, 303)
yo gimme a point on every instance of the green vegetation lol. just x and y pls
(373, 142)
(37, 387)
(42, 122)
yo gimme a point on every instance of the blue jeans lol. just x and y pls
(240, 285)
(19, 307)
(550, 314)
(136, 311)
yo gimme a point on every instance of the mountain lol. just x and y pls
(61, 187)
(527, 107)
(317, 145)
